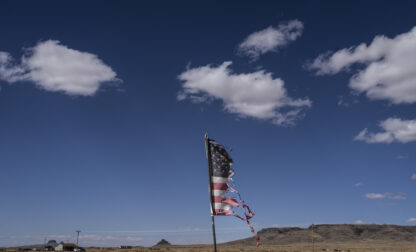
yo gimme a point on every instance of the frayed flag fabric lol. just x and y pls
(221, 174)
(225, 199)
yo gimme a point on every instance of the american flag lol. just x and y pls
(221, 173)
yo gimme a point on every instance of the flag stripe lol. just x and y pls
(226, 200)
(223, 206)
(223, 212)
(218, 192)
(219, 179)
(219, 186)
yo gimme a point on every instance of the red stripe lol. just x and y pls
(219, 186)
(226, 200)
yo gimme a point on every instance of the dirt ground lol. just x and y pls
(319, 247)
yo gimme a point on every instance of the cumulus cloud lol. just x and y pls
(387, 195)
(394, 130)
(255, 94)
(8, 70)
(386, 66)
(375, 196)
(57, 68)
(412, 219)
(270, 39)
(358, 184)
(414, 176)
(358, 222)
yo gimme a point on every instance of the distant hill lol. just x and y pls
(332, 233)
(163, 243)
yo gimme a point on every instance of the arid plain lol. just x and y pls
(319, 247)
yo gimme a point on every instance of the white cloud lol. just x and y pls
(270, 39)
(255, 94)
(399, 196)
(375, 196)
(401, 156)
(346, 102)
(412, 219)
(8, 71)
(358, 222)
(387, 195)
(395, 130)
(387, 67)
(342, 102)
(358, 184)
(414, 176)
(55, 67)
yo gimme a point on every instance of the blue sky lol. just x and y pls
(103, 108)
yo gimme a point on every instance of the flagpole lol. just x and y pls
(208, 153)
(313, 240)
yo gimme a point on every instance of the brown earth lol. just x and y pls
(337, 233)
(333, 238)
(301, 247)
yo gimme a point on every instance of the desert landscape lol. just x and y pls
(334, 238)
(301, 247)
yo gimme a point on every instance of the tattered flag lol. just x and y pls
(221, 174)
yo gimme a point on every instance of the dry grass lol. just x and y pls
(319, 247)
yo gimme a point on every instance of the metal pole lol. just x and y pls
(213, 233)
(208, 153)
(78, 237)
(313, 240)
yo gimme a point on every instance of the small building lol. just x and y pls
(126, 247)
(65, 247)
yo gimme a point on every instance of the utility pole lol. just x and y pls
(78, 238)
